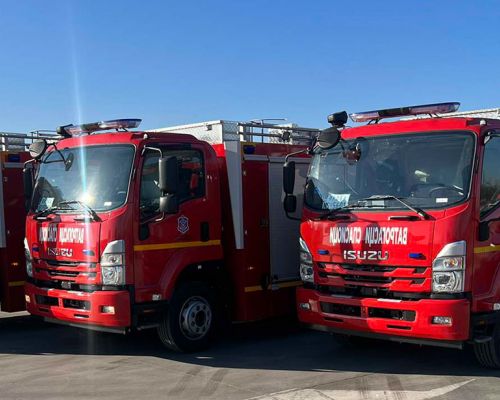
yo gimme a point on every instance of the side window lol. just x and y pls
(150, 192)
(191, 173)
(490, 181)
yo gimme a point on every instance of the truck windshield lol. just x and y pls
(426, 170)
(97, 176)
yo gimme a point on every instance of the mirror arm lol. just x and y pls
(59, 152)
(145, 148)
(154, 218)
(303, 151)
(159, 219)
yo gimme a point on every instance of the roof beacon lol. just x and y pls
(118, 124)
(431, 109)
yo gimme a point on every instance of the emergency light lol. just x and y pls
(89, 128)
(431, 109)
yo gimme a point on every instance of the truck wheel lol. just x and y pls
(189, 323)
(488, 351)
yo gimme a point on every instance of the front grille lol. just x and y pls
(58, 263)
(370, 279)
(69, 274)
(368, 268)
(380, 277)
(59, 285)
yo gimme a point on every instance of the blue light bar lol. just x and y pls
(376, 115)
(118, 124)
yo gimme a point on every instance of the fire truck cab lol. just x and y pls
(400, 234)
(132, 229)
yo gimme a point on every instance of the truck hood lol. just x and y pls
(66, 241)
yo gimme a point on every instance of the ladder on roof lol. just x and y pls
(16, 142)
(277, 133)
(223, 131)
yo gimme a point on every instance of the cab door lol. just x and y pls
(166, 242)
(486, 282)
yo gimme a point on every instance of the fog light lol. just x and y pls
(442, 320)
(27, 298)
(305, 306)
(107, 309)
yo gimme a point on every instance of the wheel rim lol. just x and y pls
(195, 318)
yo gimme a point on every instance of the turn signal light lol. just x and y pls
(107, 309)
(442, 320)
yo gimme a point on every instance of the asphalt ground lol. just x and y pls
(258, 361)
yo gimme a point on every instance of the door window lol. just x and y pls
(191, 179)
(490, 181)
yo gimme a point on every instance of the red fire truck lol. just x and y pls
(132, 230)
(400, 233)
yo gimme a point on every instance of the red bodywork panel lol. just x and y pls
(12, 259)
(249, 268)
(386, 266)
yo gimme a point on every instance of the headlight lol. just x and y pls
(448, 282)
(448, 269)
(306, 266)
(113, 263)
(108, 260)
(113, 275)
(29, 262)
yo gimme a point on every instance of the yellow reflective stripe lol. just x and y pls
(16, 283)
(281, 285)
(486, 249)
(289, 284)
(177, 245)
(249, 289)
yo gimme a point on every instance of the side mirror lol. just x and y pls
(168, 174)
(288, 177)
(290, 203)
(169, 204)
(28, 184)
(37, 148)
(328, 138)
(338, 118)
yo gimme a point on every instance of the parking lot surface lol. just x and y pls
(263, 361)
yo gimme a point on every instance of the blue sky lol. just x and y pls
(185, 61)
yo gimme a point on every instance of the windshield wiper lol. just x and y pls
(361, 204)
(416, 210)
(84, 206)
(344, 208)
(47, 211)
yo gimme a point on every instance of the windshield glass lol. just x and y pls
(97, 176)
(430, 170)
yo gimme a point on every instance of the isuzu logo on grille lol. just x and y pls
(374, 255)
(55, 251)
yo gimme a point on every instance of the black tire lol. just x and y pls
(189, 323)
(488, 351)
